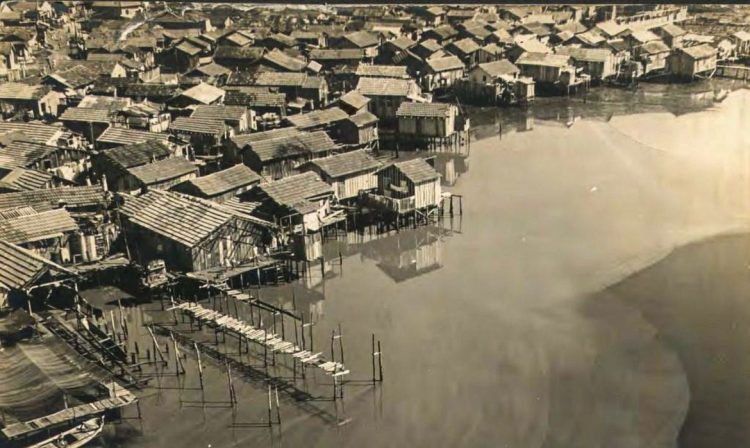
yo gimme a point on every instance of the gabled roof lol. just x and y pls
(163, 170)
(19, 153)
(22, 179)
(203, 93)
(699, 51)
(465, 46)
(125, 136)
(150, 90)
(347, 163)
(544, 59)
(387, 87)
(20, 267)
(128, 156)
(50, 198)
(210, 126)
(86, 115)
(292, 145)
(320, 117)
(327, 54)
(219, 112)
(283, 60)
(430, 45)
(295, 191)
(362, 39)
(411, 109)
(226, 180)
(446, 63)
(499, 68)
(181, 218)
(354, 99)
(37, 227)
(654, 47)
(417, 170)
(242, 140)
(382, 71)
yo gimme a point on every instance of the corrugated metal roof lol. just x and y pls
(20, 267)
(35, 132)
(125, 136)
(244, 139)
(411, 109)
(20, 153)
(293, 145)
(86, 114)
(386, 87)
(163, 170)
(295, 191)
(382, 71)
(198, 125)
(184, 219)
(320, 117)
(53, 197)
(346, 163)
(226, 180)
(37, 227)
(417, 170)
(129, 156)
(22, 179)
(219, 112)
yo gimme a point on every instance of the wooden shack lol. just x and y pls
(349, 173)
(160, 175)
(221, 185)
(238, 118)
(279, 157)
(360, 130)
(427, 120)
(190, 234)
(409, 185)
(698, 61)
(386, 95)
(48, 234)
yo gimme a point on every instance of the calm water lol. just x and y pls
(567, 307)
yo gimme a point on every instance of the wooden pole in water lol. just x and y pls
(278, 408)
(341, 345)
(232, 398)
(157, 349)
(270, 422)
(200, 364)
(380, 361)
(372, 353)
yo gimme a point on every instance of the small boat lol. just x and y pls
(74, 437)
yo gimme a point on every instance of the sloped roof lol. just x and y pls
(204, 93)
(295, 191)
(533, 46)
(150, 89)
(363, 118)
(386, 87)
(328, 54)
(283, 60)
(19, 153)
(181, 218)
(128, 156)
(320, 117)
(549, 60)
(673, 30)
(292, 145)
(590, 37)
(163, 170)
(498, 68)
(445, 63)
(611, 28)
(19, 91)
(445, 31)
(417, 170)
(232, 52)
(226, 180)
(219, 112)
(655, 46)
(347, 163)
(699, 51)
(212, 69)
(280, 79)
(241, 140)
(210, 126)
(354, 99)
(86, 115)
(19, 267)
(238, 97)
(402, 43)
(411, 109)
(34, 132)
(362, 39)
(742, 35)
(643, 36)
(22, 179)
(37, 227)
(50, 198)
(382, 71)
(586, 54)
(125, 136)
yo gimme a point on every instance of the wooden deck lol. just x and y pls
(119, 397)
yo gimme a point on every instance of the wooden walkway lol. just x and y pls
(119, 397)
(260, 336)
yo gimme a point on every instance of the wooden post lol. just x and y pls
(373, 358)
(341, 345)
(270, 422)
(380, 361)
(278, 410)
(200, 364)
(232, 398)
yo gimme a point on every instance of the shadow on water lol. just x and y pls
(697, 299)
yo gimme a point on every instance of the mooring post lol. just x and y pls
(372, 354)
(380, 361)
(341, 345)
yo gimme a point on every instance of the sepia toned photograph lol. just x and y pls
(228, 224)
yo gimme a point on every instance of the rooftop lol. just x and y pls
(411, 109)
(283, 60)
(136, 154)
(292, 145)
(354, 99)
(295, 191)
(37, 227)
(86, 115)
(20, 267)
(417, 170)
(163, 170)
(125, 136)
(22, 179)
(499, 68)
(445, 63)
(204, 93)
(347, 163)
(320, 117)
(212, 126)
(387, 87)
(225, 180)
(50, 198)
(382, 71)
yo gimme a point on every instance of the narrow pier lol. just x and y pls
(260, 336)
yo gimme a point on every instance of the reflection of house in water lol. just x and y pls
(451, 164)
